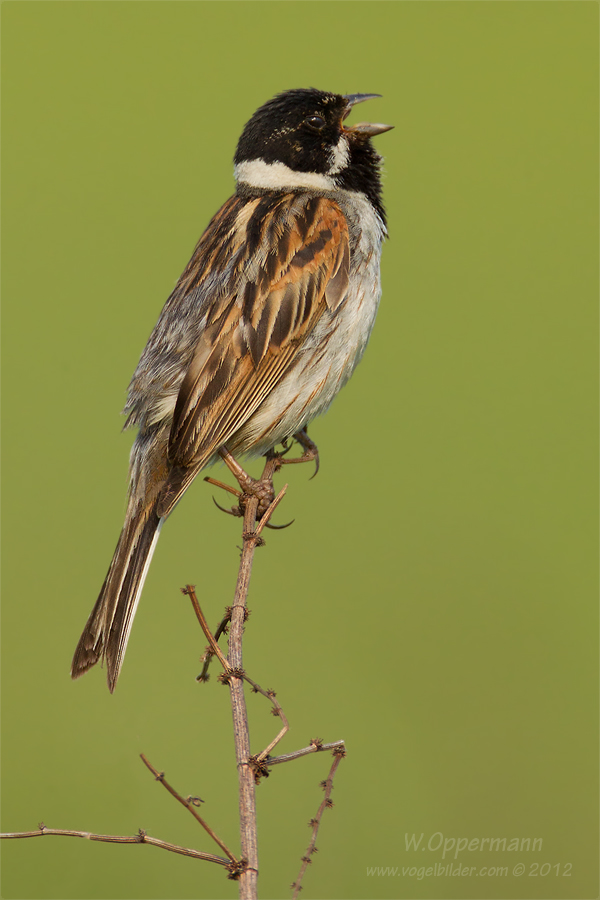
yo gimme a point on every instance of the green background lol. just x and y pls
(434, 603)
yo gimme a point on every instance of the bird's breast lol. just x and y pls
(331, 352)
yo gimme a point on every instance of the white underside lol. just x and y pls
(330, 353)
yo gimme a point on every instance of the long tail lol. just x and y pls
(107, 630)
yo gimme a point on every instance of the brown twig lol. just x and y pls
(315, 747)
(222, 628)
(215, 650)
(189, 804)
(251, 768)
(247, 799)
(327, 786)
(235, 677)
(277, 711)
(253, 497)
(140, 838)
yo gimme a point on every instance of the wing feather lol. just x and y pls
(253, 330)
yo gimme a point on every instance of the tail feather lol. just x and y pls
(107, 630)
(131, 589)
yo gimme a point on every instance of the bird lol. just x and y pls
(265, 325)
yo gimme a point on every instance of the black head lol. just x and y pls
(298, 140)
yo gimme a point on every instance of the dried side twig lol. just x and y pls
(222, 628)
(234, 866)
(277, 711)
(256, 761)
(140, 838)
(189, 804)
(327, 803)
(316, 746)
(215, 650)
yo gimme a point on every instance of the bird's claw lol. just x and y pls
(311, 452)
(234, 511)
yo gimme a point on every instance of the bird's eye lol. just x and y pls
(315, 122)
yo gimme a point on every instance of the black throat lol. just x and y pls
(364, 174)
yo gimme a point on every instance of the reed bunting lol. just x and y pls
(265, 325)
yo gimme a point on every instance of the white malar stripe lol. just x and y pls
(277, 176)
(340, 156)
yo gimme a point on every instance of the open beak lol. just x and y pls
(369, 129)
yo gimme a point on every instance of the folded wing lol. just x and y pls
(294, 265)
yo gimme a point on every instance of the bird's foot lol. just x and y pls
(260, 488)
(311, 451)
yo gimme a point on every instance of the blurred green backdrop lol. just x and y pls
(434, 603)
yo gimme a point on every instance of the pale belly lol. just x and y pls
(324, 364)
(321, 366)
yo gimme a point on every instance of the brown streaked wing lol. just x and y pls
(216, 245)
(257, 329)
